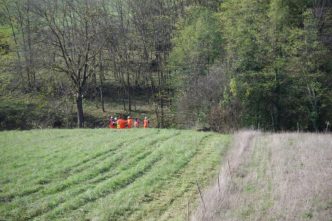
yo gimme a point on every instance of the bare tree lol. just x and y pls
(23, 24)
(72, 31)
(153, 23)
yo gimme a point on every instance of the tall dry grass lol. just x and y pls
(302, 176)
(215, 196)
(285, 176)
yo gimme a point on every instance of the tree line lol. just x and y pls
(260, 64)
(217, 64)
(85, 41)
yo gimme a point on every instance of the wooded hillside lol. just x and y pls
(216, 64)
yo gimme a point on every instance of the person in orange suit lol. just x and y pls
(130, 122)
(122, 123)
(146, 122)
(117, 123)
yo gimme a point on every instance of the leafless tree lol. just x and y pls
(72, 32)
(18, 15)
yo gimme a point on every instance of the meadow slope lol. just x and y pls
(105, 174)
(286, 176)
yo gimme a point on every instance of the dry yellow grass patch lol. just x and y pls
(285, 176)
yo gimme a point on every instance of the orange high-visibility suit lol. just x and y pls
(130, 122)
(122, 123)
(146, 123)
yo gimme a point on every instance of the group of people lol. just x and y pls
(122, 123)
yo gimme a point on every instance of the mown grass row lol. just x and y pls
(62, 184)
(58, 173)
(62, 149)
(110, 175)
(116, 178)
(170, 159)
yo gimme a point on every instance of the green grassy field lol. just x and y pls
(105, 174)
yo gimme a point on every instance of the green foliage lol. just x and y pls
(248, 63)
(275, 58)
(19, 114)
(6, 57)
(198, 42)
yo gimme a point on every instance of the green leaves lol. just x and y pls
(197, 43)
(275, 59)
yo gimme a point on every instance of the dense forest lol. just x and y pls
(219, 65)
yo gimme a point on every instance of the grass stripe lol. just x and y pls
(154, 180)
(54, 203)
(67, 172)
(107, 175)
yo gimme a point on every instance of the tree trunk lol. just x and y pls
(80, 114)
(314, 108)
(129, 94)
(162, 125)
(102, 98)
(30, 63)
(15, 41)
(123, 98)
(160, 106)
(101, 82)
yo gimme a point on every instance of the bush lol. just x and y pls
(17, 115)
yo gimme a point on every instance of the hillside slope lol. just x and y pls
(137, 174)
(285, 176)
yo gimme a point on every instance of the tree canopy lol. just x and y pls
(223, 65)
